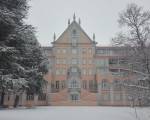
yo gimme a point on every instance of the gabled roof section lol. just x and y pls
(65, 36)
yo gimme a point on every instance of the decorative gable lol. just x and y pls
(73, 34)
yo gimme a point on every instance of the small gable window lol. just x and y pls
(74, 32)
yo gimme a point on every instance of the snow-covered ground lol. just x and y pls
(76, 113)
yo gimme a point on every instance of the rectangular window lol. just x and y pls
(57, 72)
(83, 50)
(74, 97)
(30, 97)
(63, 61)
(74, 41)
(58, 50)
(57, 61)
(57, 84)
(84, 84)
(74, 69)
(90, 61)
(90, 50)
(63, 71)
(63, 50)
(93, 86)
(42, 97)
(74, 61)
(84, 71)
(90, 71)
(63, 84)
(74, 51)
(84, 61)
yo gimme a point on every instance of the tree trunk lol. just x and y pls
(2, 98)
(16, 101)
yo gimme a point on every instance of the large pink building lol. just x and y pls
(82, 73)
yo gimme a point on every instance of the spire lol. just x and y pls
(54, 37)
(68, 22)
(79, 21)
(74, 17)
(93, 36)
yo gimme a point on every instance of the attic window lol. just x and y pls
(74, 32)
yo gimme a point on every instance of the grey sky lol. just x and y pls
(97, 16)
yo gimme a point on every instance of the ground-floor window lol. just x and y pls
(42, 97)
(30, 97)
(74, 97)
(93, 86)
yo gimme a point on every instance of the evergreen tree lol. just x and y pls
(20, 52)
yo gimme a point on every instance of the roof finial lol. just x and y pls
(54, 37)
(79, 21)
(93, 36)
(68, 21)
(74, 17)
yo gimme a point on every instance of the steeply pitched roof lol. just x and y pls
(74, 23)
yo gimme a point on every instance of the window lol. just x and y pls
(63, 71)
(74, 69)
(74, 32)
(84, 84)
(84, 61)
(84, 50)
(57, 61)
(74, 97)
(90, 71)
(84, 71)
(74, 61)
(57, 72)
(93, 86)
(63, 61)
(57, 84)
(90, 61)
(42, 97)
(74, 41)
(64, 50)
(113, 61)
(103, 62)
(63, 84)
(74, 51)
(30, 97)
(90, 50)
(74, 84)
(58, 50)
(104, 84)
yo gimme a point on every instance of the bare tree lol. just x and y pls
(136, 37)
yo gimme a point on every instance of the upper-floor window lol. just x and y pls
(73, 69)
(90, 61)
(105, 84)
(57, 61)
(64, 50)
(90, 71)
(84, 61)
(74, 51)
(74, 32)
(83, 50)
(90, 50)
(84, 71)
(58, 50)
(64, 61)
(74, 61)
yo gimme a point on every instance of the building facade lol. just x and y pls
(82, 73)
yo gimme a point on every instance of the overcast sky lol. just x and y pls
(97, 16)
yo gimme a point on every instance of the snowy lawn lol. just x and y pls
(76, 113)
